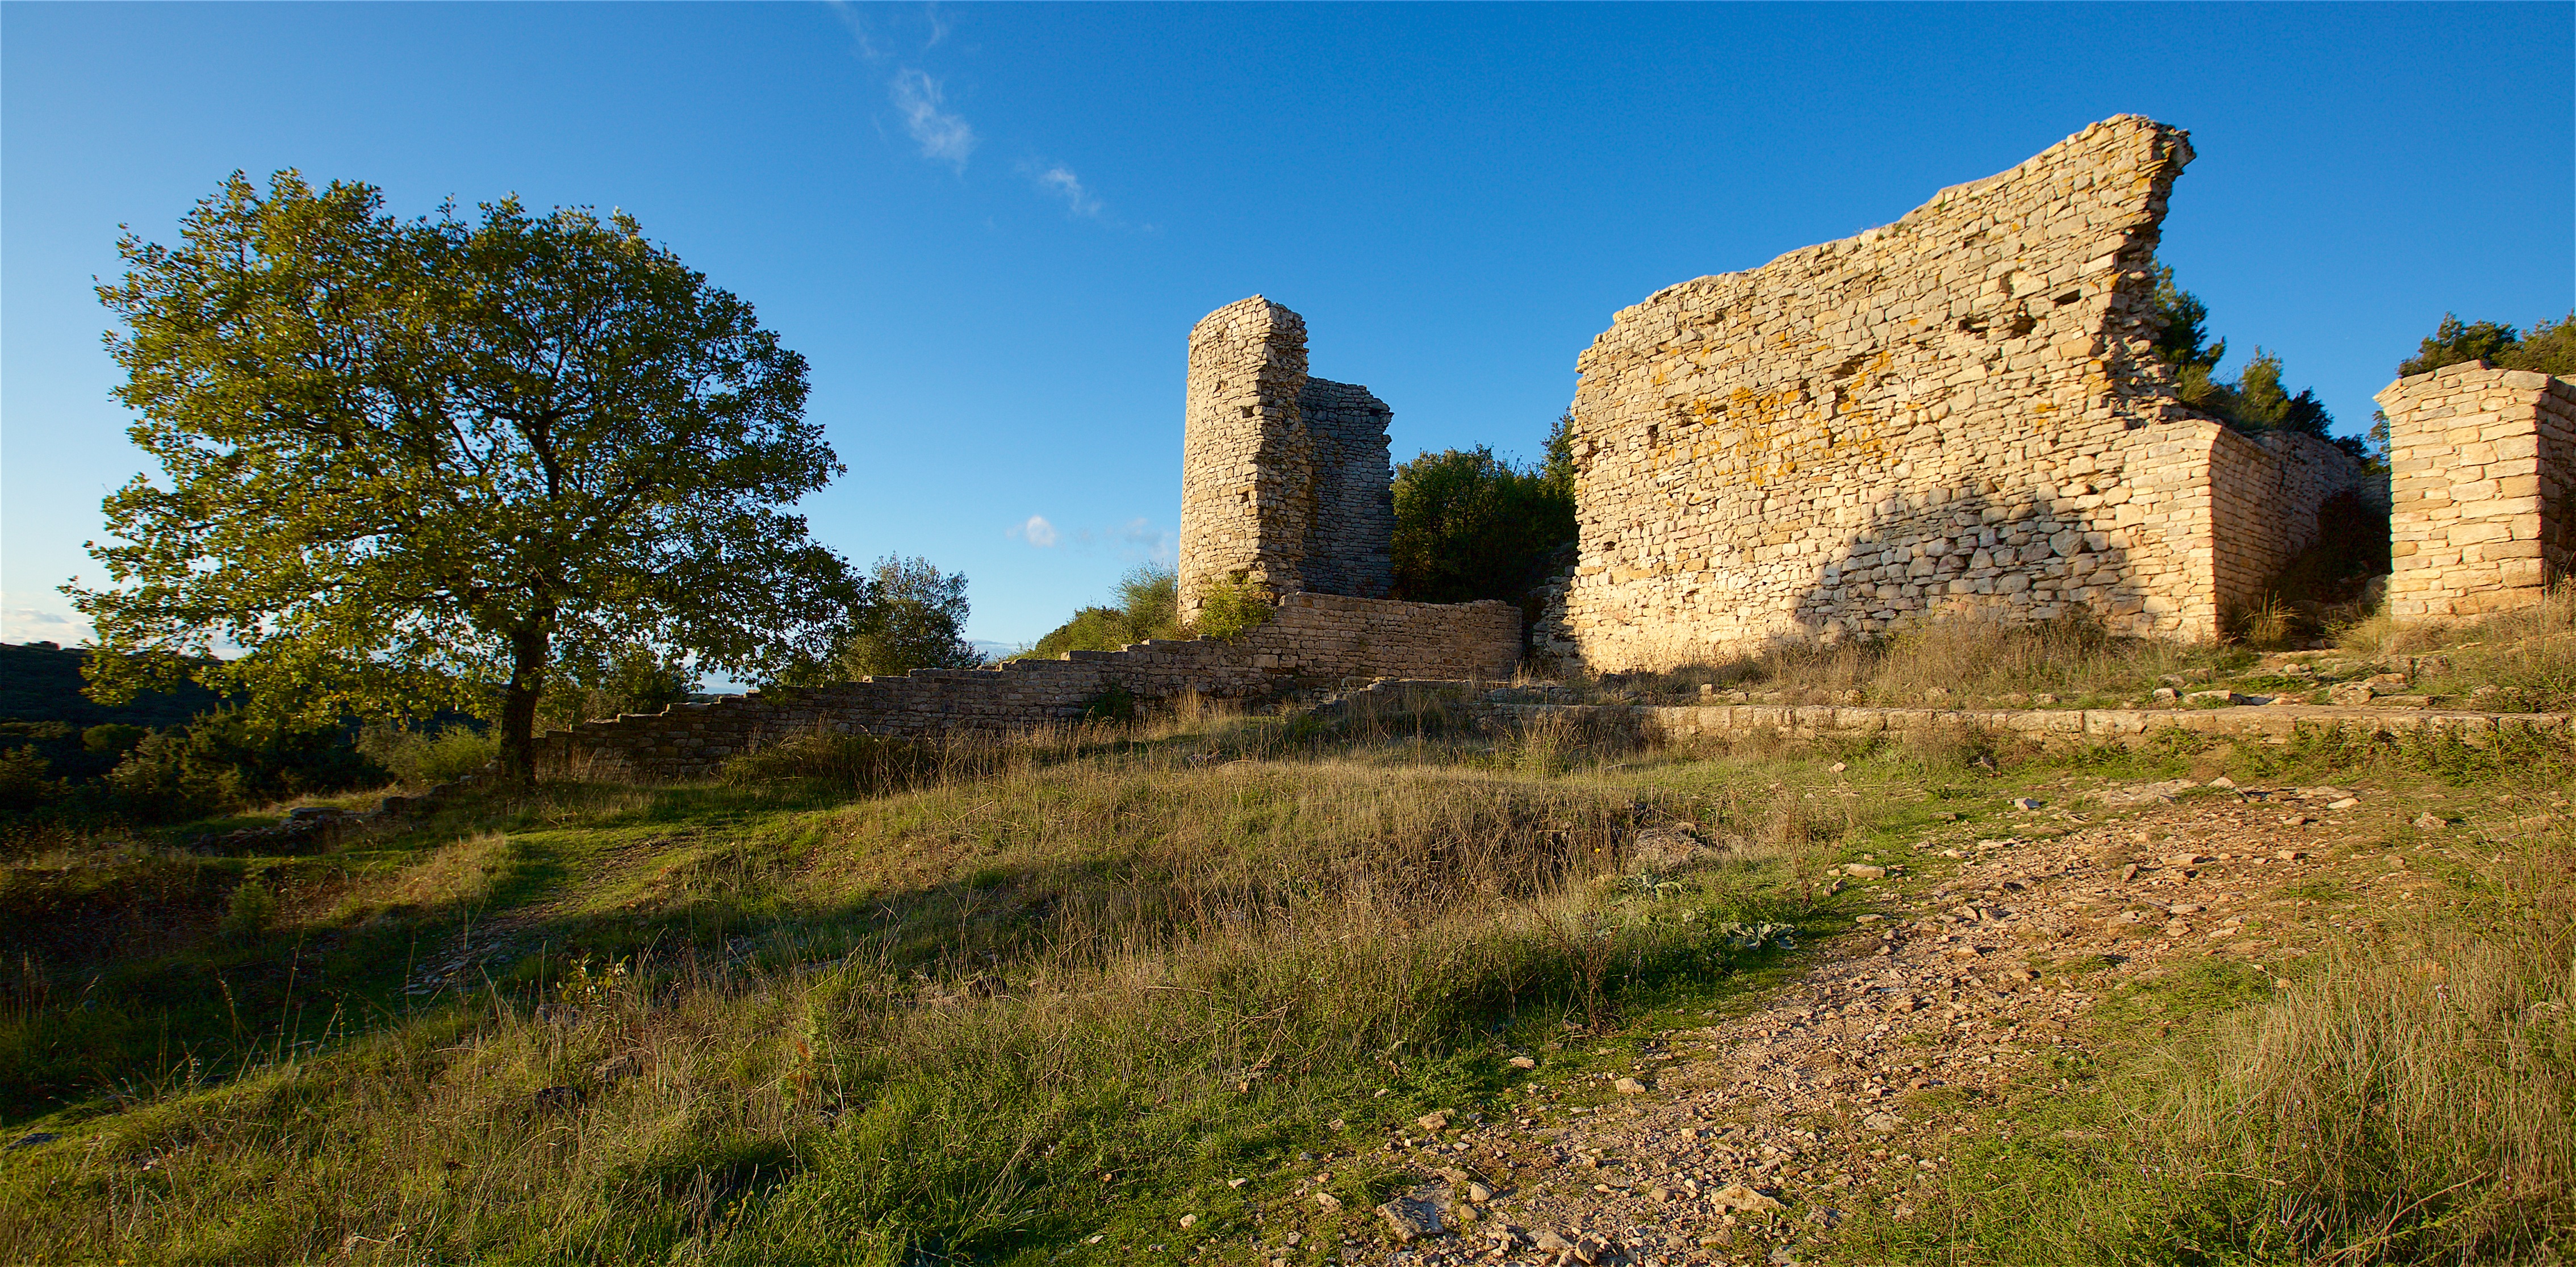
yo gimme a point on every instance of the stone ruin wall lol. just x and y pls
(1286, 484)
(1285, 478)
(2482, 466)
(1312, 639)
(1958, 411)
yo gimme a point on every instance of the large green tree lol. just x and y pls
(914, 618)
(409, 465)
(1470, 525)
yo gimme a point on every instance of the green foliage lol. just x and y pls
(251, 910)
(230, 758)
(23, 785)
(2183, 341)
(422, 758)
(2256, 401)
(112, 739)
(1468, 525)
(1231, 608)
(2550, 348)
(635, 678)
(1147, 606)
(410, 466)
(914, 618)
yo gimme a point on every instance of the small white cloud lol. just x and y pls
(1158, 543)
(1060, 180)
(943, 136)
(27, 618)
(1037, 532)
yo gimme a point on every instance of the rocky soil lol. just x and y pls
(1746, 1140)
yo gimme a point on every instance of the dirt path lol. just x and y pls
(1972, 983)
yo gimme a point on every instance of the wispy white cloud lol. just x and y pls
(1161, 544)
(943, 136)
(857, 26)
(28, 617)
(1060, 181)
(1037, 532)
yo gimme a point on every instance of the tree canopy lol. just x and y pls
(1470, 525)
(914, 617)
(437, 463)
(2550, 348)
(2256, 401)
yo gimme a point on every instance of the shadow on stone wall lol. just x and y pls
(1965, 553)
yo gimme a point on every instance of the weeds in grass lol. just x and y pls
(875, 1022)
(1957, 660)
(2415, 1104)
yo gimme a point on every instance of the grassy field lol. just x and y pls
(1048, 1001)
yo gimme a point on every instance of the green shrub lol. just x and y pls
(1468, 525)
(226, 759)
(1231, 608)
(23, 785)
(252, 909)
(425, 759)
(1147, 606)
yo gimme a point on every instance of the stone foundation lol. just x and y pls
(2482, 463)
(1312, 639)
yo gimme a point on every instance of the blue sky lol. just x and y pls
(989, 228)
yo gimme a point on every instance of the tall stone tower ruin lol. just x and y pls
(1285, 478)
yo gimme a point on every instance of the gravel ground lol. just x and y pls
(1738, 1142)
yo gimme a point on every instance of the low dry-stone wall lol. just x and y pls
(2482, 465)
(2265, 723)
(1312, 639)
(2261, 723)
(1960, 410)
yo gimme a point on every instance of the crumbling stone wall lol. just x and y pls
(2482, 463)
(1285, 480)
(1350, 540)
(2264, 494)
(1312, 639)
(1958, 411)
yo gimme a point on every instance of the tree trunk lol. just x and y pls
(519, 704)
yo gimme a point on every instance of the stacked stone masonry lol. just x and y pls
(2482, 462)
(1285, 478)
(1312, 639)
(1960, 411)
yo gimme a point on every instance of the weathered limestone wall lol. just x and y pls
(1247, 464)
(1956, 411)
(1284, 477)
(2264, 494)
(1311, 639)
(2482, 464)
(1350, 539)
